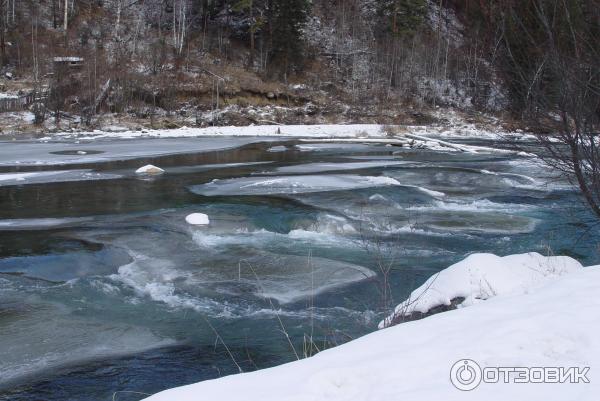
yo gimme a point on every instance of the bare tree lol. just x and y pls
(553, 52)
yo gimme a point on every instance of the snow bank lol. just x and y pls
(149, 169)
(197, 219)
(482, 276)
(552, 325)
(415, 136)
(301, 131)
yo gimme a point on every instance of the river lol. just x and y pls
(104, 287)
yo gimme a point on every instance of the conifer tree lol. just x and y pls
(289, 17)
(404, 16)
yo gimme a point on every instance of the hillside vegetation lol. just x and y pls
(167, 63)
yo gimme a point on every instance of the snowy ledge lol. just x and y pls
(553, 324)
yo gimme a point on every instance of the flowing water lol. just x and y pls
(104, 287)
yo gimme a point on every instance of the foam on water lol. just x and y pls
(262, 237)
(159, 280)
(326, 229)
(480, 205)
(285, 278)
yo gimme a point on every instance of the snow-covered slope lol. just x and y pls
(554, 324)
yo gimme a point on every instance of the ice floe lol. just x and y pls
(290, 184)
(41, 223)
(197, 219)
(41, 177)
(325, 167)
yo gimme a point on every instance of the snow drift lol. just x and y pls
(480, 277)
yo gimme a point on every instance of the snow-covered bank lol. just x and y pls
(446, 123)
(304, 131)
(401, 136)
(480, 277)
(554, 324)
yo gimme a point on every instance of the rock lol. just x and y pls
(170, 124)
(270, 95)
(149, 169)
(197, 219)
(454, 303)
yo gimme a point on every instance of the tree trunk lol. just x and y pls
(252, 28)
(2, 38)
(66, 19)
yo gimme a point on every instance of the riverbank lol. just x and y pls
(449, 123)
(550, 325)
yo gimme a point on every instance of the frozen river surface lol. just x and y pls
(104, 287)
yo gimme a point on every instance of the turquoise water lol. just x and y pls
(104, 287)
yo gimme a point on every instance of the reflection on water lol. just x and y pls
(105, 287)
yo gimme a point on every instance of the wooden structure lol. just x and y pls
(74, 64)
(22, 102)
(15, 103)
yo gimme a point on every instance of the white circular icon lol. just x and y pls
(465, 374)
